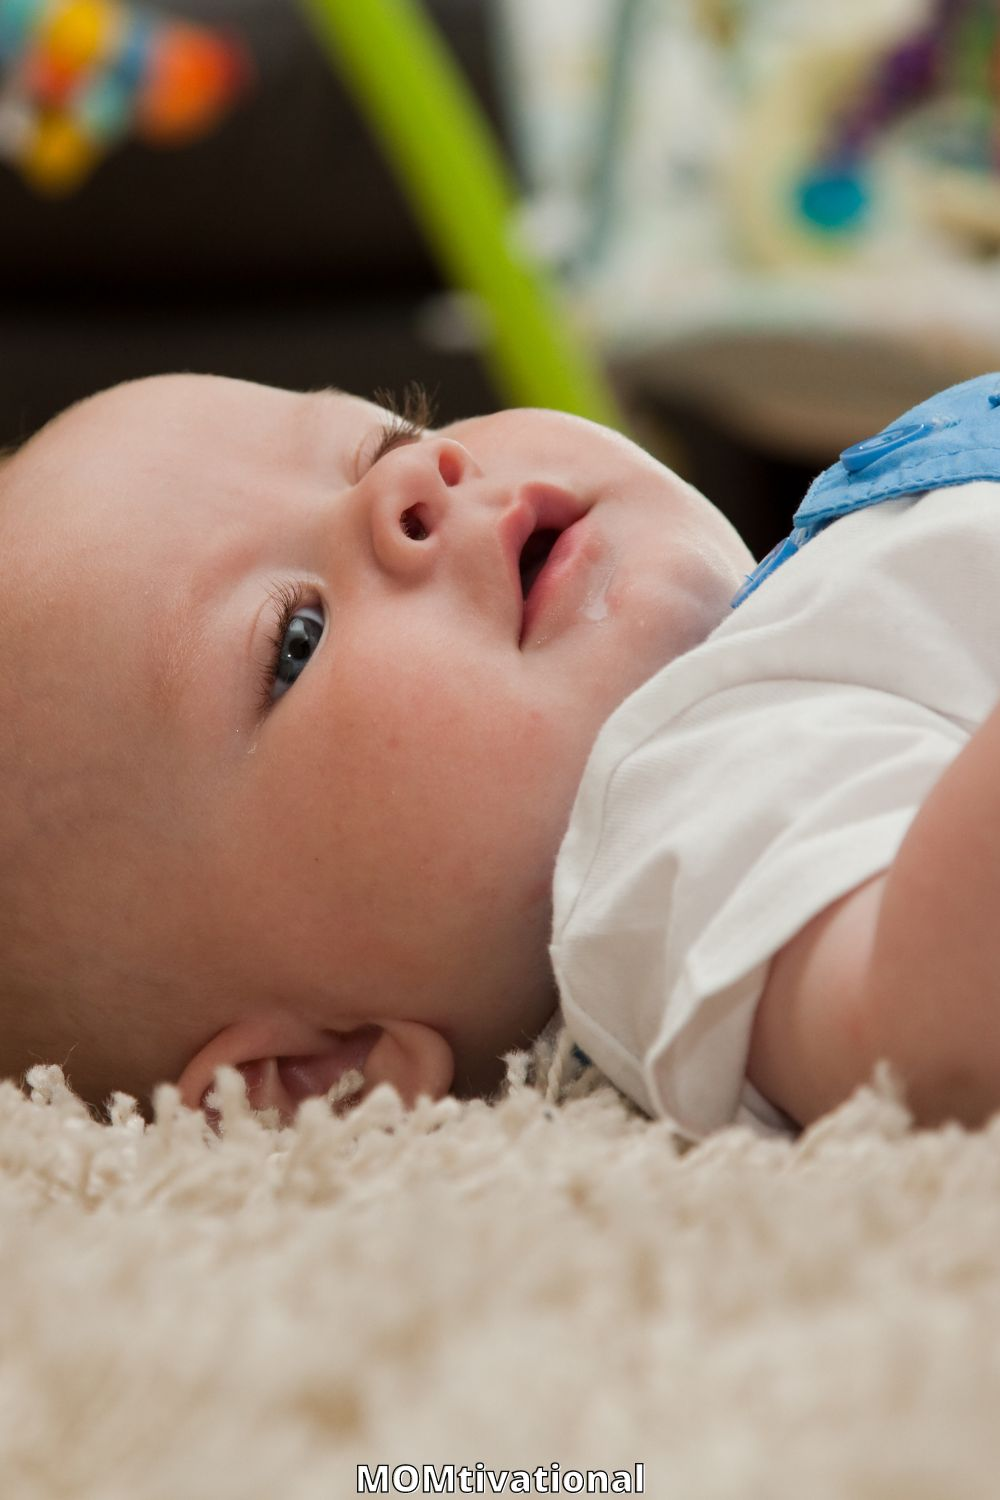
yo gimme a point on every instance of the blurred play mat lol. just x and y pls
(762, 163)
(77, 77)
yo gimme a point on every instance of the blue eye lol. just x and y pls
(299, 639)
(298, 633)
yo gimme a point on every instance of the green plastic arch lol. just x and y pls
(438, 142)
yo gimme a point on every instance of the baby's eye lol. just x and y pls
(296, 639)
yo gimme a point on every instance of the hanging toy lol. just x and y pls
(810, 178)
(438, 141)
(79, 76)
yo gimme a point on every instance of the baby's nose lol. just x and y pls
(414, 494)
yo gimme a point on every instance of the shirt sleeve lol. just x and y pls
(698, 851)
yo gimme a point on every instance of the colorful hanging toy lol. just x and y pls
(439, 142)
(79, 76)
(811, 177)
(957, 54)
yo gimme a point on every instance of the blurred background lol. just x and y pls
(775, 224)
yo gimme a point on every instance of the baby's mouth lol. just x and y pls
(529, 531)
(534, 556)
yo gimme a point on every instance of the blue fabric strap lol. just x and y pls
(952, 438)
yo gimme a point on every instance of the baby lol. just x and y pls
(303, 705)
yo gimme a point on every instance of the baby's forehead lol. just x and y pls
(178, 439)
(185, 409)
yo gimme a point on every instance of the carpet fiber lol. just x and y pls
(549, 1283)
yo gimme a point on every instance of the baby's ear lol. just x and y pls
(284, 1060)
(413, 1057)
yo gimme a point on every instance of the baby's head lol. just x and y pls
(285, 760)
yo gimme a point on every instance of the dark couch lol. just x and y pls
(277, 249)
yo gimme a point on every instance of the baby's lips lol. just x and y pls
(538, 506)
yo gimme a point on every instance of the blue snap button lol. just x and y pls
(994, 398)
(860, 455)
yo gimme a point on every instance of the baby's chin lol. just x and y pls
(667, 596)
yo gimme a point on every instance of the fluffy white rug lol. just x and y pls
(524, 1285)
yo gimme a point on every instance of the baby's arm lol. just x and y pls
(906, 966)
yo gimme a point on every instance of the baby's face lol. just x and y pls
(331, 753)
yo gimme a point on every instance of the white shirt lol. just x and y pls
(760, 777)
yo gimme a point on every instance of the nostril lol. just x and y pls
(412, 525)
(450, 465)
